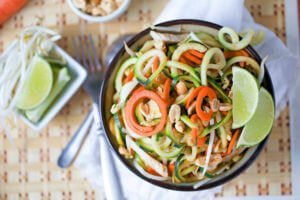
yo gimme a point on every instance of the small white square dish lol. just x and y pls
(78, 75)
(37, 77)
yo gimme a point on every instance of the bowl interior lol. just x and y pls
(108, 90)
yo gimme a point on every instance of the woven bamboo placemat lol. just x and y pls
(28, 167)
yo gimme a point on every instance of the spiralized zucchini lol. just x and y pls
(179, 104)
(236, 43)
(218, 55)
(187, 46)
(143, 59)
(258, 38)
(127, 64)
(250, 61)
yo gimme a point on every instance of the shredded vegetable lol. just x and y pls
(175, 100)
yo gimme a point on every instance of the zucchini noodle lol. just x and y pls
(191, 157)
(147, 46)
(177, 65)
(129, 51)
(126, 89)
(236, 43)
(158, 148)
(258, 38)
(127, 64)
(250, 61)
(141, 62)
(218, 55)
(208, 40)
(148, 160)
(182, 98)
(187, 46)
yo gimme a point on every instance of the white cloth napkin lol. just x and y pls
(281, 65)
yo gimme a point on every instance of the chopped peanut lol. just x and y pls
(214, 104)
(225, 107)
(179, 126)
(181, 88)
(214, 161)
(174, 113)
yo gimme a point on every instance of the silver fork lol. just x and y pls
(86, 54)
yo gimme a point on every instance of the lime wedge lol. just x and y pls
(261, 123)
(37, 86)
(245, 96)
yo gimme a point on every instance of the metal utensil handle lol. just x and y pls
(111, 179)
(112, 186)
(71, 150)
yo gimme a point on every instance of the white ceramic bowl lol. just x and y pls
(78, 76)
(105, 18)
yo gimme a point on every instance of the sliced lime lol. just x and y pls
(37, 86)
(245, 96)
(61, 80)
(261, 123)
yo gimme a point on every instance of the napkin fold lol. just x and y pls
(282, 66)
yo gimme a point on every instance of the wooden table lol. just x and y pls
(28, 167)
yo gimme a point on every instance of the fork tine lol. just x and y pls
(98, 65)
(89, 51)
(76, 49)
(83, 50)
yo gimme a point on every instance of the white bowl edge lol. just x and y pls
(105, 18)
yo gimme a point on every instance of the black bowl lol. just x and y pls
(106, 102)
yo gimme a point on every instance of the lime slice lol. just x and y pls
(261, 123)
(245, 96)
(37, 86)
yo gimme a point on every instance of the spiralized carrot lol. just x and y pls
(199, 141)
(194, 132)
(171, 167)
(138, 89)
(152, 171)
(130, 114)
(192, 96)
(129, 77)
(192, 58)
(196, 53)
(185, 61)
(204, 92)
(230, 54)
(167, 89)
(155, 63)
(233, 141)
